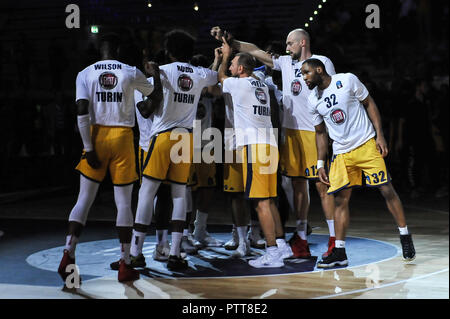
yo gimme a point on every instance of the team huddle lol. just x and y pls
(315, 105)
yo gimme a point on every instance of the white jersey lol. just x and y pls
(109, 87)
(145, 124)
(182, 86)
(345, 116)
(296, 92)
(251, 104)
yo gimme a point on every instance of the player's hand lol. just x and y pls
(382, 146)
(217, 33)
(92, 159)
(152, 68)
(226, 48)
(218, 55)
(323, 177)
(273, 55)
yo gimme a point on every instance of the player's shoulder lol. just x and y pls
(322, 58)
(345, 76)
(283, 59)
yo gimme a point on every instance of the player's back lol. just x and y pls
(252, 115)
(109, 86)
(182, 86)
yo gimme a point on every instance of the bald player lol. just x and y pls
(298, 156)
(106, 116)
(341, 105)
(251, 108)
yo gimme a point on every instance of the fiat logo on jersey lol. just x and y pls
(338, 116)
(261, 96)
(296, 87)
(185, 82)
(108, 80)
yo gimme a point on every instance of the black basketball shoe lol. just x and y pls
(409, 253)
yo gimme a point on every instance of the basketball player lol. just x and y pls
(170, 152)
(106, 115)
(162, 198)
(298, 153)
(341, 104)
(251, 111)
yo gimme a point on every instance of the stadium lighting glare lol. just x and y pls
(149, 4)
(315, 12)
(306, 25)
(196, 6)
(320, 6)
(94, 29)
(311, 18)
(324, 1)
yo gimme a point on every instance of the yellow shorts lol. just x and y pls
(362, 166)
(259, 166)
(233, 180)
(169, 159)
(115, 151)
(299, 154)
(202, 175)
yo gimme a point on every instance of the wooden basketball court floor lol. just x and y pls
(427, 277)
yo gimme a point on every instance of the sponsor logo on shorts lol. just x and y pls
(338, 116)
(108, 80)
(185, 83)
(296, 87)
(261, 96)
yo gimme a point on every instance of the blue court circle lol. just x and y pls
(93, 258)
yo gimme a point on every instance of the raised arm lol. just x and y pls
(242, 46)
(322, 150)
(226, 54)
(153, 101)
(375, 118)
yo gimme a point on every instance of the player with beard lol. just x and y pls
(341, 104)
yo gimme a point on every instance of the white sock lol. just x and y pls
(301, 228)
(161, 235)
(137, 242)
(125, 253)
(281, 242)
(71, 243)
(242, 233)
(185, 232)
(340, 244)
(403, 230)
(331, 227)
(176, 241)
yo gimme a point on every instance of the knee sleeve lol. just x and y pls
(122, 197)
(88, 191)
(179, 202)
(147, 194)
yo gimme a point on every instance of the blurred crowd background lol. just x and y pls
(404, 64)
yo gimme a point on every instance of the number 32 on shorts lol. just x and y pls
(376, 178)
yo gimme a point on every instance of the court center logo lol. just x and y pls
(108, 80)
(261, 96)
(296, 87)
(185, 83)
(338, 116)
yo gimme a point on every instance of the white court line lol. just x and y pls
(382, 286)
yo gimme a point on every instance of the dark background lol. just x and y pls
(404, 64)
